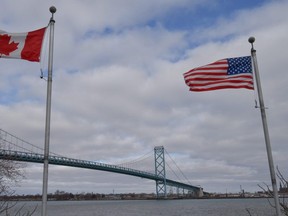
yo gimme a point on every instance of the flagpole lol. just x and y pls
(48, 114)
(265, 128)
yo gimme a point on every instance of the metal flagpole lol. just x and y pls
(265, 128)
(48, 114)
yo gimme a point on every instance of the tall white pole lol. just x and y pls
(48, 114)
(265, 128)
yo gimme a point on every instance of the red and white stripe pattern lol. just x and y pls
(222, 74)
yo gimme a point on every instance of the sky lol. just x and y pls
(118, 91)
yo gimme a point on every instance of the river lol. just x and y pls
(195, 207)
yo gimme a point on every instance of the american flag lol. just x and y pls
(222, 74)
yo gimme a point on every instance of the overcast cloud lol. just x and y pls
(118, 90)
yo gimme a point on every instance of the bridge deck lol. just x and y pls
(64, 161)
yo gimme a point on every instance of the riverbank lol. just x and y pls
(62, 196)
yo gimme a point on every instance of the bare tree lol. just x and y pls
(283, 189)
(11, 173)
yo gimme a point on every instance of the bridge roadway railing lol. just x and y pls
(65, 161)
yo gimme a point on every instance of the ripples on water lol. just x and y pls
(195, 207)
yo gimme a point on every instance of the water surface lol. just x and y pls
(195, 207)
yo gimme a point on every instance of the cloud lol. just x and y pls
(118, 91)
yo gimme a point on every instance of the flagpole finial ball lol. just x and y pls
(52, 9)
(251, 40)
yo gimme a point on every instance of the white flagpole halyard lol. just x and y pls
(48, 114)
(265, 128)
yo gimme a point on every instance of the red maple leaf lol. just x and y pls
(5, 46)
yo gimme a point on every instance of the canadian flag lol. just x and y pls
(25, 46)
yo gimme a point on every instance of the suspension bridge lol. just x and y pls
(16, 149)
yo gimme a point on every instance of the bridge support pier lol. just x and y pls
(161, 187)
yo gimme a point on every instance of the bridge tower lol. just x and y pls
(160, 172)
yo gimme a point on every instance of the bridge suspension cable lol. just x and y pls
(144, 162)
(177, 168)
(12, 142)
(139, 161)
(14, 148)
